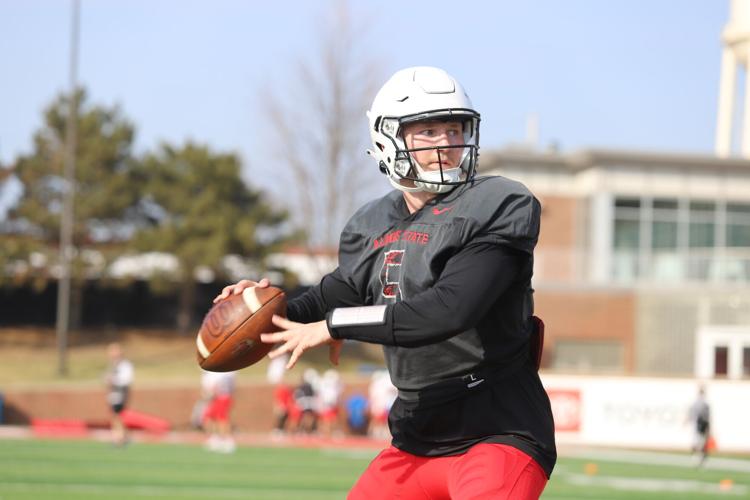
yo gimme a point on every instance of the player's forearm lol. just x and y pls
(305, 308)
(332, 291)
(470, 284)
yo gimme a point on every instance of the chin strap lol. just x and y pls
(435, 177)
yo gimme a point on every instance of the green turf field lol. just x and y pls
(44, 469)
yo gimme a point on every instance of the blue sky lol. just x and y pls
(636, 74)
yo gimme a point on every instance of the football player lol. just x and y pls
(700, 415)
(218, 388)
(119, 377)
(438, 272)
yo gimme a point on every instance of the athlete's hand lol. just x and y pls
(238, 287)
(296, 338)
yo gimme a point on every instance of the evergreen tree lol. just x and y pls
(104, 195)
(202, 211)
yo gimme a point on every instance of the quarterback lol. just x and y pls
(438, 272)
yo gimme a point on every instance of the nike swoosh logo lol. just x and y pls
(474, 384)
(440, 211)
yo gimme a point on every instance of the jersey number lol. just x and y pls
(390, 274)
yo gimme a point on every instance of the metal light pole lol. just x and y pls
(67, 216)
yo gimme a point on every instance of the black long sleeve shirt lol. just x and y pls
(447, 292)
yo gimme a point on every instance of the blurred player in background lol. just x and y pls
(357, 414)
(700, 417)
(382, 394)
(304, 416)
(438, 272)
(119, 378)
(283, 400)
(218, 389)
(330, 388)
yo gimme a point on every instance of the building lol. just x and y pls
(639, 252)
(643, 263)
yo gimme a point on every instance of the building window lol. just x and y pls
(627, 234)
(701, 239)
(664, 225)
(664, 235)
(665, 263)
(702, 225)
(738, 225)
(667, 239)
(721, 361)
(625, 203)
(627, 238)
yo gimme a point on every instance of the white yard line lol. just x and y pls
(659, 458)
(662, 485)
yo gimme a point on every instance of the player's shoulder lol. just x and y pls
(499, 210)
(486, 196)
(375, 213)
(495, 187)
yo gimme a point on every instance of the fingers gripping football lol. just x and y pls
(296, 338)
(239, 287)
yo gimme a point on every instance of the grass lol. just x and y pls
(89, 470)
(58, 469)
(81, 470)
(30, 357)
(594, 478)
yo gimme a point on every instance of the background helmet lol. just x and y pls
(420, 94)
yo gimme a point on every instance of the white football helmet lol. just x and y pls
(421, 94)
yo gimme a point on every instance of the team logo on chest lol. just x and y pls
(407, 236)
(390, 274)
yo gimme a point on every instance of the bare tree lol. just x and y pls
(319, 132)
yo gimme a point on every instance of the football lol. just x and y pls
(229, 337)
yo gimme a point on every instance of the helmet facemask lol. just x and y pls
(408, 174)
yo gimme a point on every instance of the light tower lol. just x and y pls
(736, 53)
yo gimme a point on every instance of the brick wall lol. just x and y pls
(589, 315)
(558, 253)
(252, 411)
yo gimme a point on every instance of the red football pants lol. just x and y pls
(218, 409)
(486, 471)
